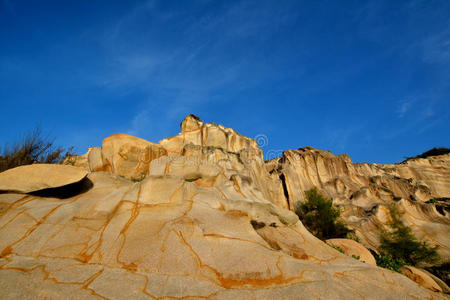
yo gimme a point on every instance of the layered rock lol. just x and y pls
(166, 237)
(353, 249)
(209, 220)
(121, 154)
(196, 132)
(365, 191)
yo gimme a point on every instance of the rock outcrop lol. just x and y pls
(122, 154)
(421, 278)
(419, 188)
(209, 220)
(353, 249)
(36, 177)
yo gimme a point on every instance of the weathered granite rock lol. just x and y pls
(196, 132)
(166, 237)
(31, 178)
(420, 278)
(365, 191)
(129, 156)
(353, 249)
(208, 221)
(120, 154)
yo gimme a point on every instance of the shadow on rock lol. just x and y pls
(66, 191)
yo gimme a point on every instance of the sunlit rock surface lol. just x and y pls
(365, 191)
(209, 220)
(31, 178)
(353, 249)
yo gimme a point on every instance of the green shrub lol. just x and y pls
(139, 178)
(338, 248)
(402, 245)
(320, 217)
(33, 148)
(352, 236)
(388, 262)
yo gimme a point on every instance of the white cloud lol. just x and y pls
(404, 107)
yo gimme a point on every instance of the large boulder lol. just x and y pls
(196, 132)
(353, 249)
(128, 156)
(31, 178)
(421, 278)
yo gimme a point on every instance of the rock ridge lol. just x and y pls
(202, 215)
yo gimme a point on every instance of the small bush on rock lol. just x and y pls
(320, 217)
(34, 148)
(402, 245)
(388, 262)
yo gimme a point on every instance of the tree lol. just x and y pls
(320, 217)
(33, 148)
(401, 244)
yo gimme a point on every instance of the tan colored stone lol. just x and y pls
(420, 278)
(128, 156)
(210, 220)
(364, 192)
(31, 178)
(196, 132)
(353, 249)
(166, 237)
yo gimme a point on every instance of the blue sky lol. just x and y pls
(366, 78)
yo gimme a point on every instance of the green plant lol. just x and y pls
(338, 248)
(388, 262)
(191, 179)
(33, 148)
(139, 178)
(357, 257)
(320, 217)
(401, 244)
(352, 236)
(69, 161)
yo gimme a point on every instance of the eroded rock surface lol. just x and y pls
(210, 220)
(167, 237)
(353, 249)
(31, 178)
(365, 191)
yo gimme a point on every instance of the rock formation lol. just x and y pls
(364, 192)
(353, 249)
(31, 178)
(210, 219)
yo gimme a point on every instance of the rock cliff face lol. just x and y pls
(201, 215)
(365, 191)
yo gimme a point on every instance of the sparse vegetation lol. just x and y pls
(338, 248)
(139, 178)
(399, 246)
(33, 148)
(191, 179)
(432, 152)
(388, 262)
(352, 236)
(320, 217)
(357, 257)
(432, 201)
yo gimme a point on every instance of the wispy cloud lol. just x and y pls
(436, 48)
(188, 69)
(405, 106)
